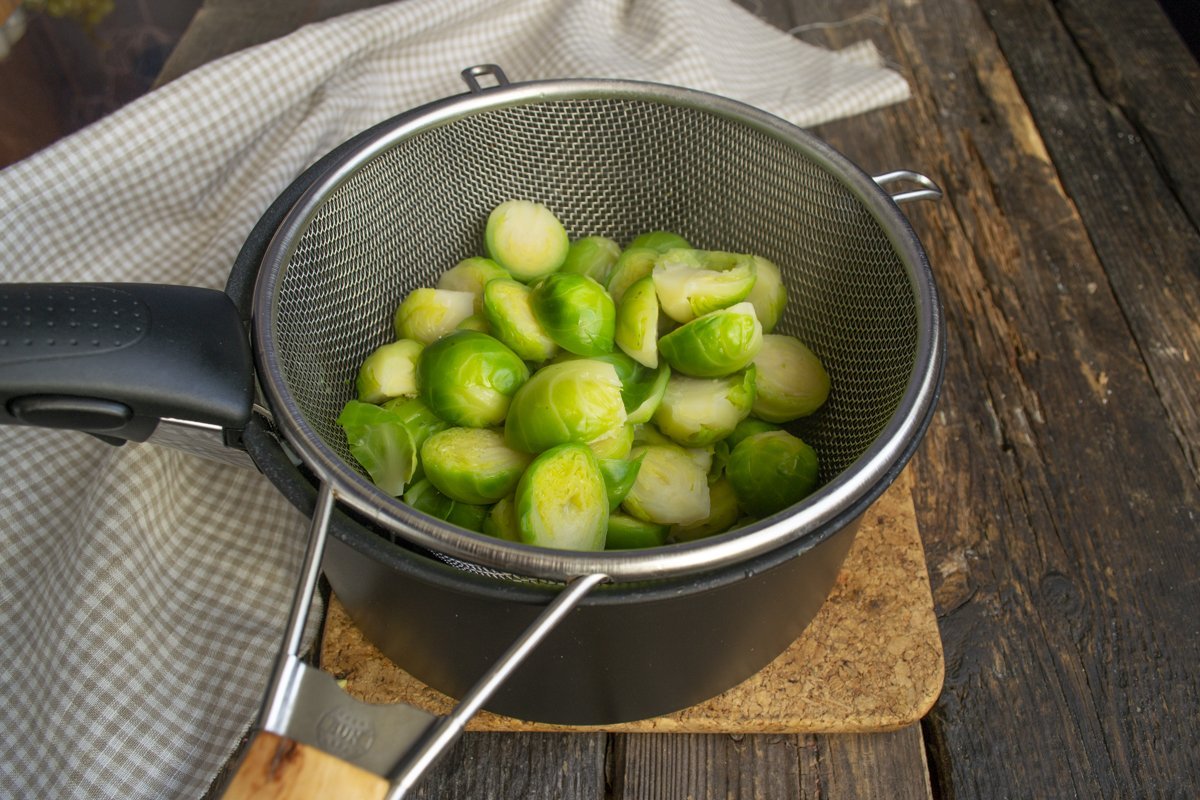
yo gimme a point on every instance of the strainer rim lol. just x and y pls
(839, 500)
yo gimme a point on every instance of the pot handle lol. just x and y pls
(115, 359)
(313, 736)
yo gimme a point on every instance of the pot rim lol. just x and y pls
(844, 497)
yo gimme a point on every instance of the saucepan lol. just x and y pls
(264, 368)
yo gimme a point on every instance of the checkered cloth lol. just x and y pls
(144, 590)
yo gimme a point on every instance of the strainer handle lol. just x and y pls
(930, 190)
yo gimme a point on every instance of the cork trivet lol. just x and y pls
(871, 660)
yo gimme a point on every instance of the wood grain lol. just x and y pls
(1056, 492)
(275, 768)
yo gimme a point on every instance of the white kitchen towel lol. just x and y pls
(144, 591)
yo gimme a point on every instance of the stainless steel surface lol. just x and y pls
(929, 190)
(614, 158)
(318, 713)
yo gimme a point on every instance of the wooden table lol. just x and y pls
(1057, 489)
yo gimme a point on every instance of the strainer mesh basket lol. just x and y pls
(417, 202)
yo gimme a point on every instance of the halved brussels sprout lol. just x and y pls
(659, 240)
(696, 412)
(561, 500)
(506, 304)
(716, 344)
(417, 417)
(723, 513)
(389, 371)
(615, 444)
(636, 330)
(770, 471)
(475, 322)
(619, 475)
(769, 294)
(382, 443)
(670, 487)
(471, 275)
(630, 533)
(691, 283)
(501, 520)
(575, 312)
(526, 239)
(634, 264)
(429, 314)
(593, 256)
(642, 388)
(469, 378)
(472, 465)
(791, 382)
(424, 496)
(569, 401)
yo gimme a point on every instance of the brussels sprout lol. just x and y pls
(670, 487)
(619, 475)
(506, 304)
(750, 425)
(389, 371)
(691, 283)
(630, 533)
(791, 381)
(472, 465)
(425, 497)
(429, 314)
(723, 513)
(593, 256)
(648, 434)
(696, 412)
(417, 417)
(570, 401)
(380, 441)
(501, 521)
(768, 295)
(469, 378)
(636, 330)
(659, 240)
(634, 264)
(716, 344)
(475, 322)
(561, 500)
(575, 312)
(471, 275)
(770, 471)
(641, 388)
(615, 444)
(526, 239)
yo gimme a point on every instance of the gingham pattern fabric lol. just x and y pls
(144, 590)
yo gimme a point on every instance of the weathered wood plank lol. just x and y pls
(1124, 141)
(848, 767)
(1054, 495)
(519, 766)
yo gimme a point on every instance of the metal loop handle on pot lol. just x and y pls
(931, 190)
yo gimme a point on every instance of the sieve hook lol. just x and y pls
(931, 191)
(472, 75)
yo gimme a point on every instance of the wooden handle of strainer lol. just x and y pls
(274, 767)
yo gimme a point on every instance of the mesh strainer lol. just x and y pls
(611, 158)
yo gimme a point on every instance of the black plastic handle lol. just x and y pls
(115, 359)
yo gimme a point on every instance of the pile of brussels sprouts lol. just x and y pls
(581, 395)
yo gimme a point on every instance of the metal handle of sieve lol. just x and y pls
(306, 711)
(472, 75)
(931, 190)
